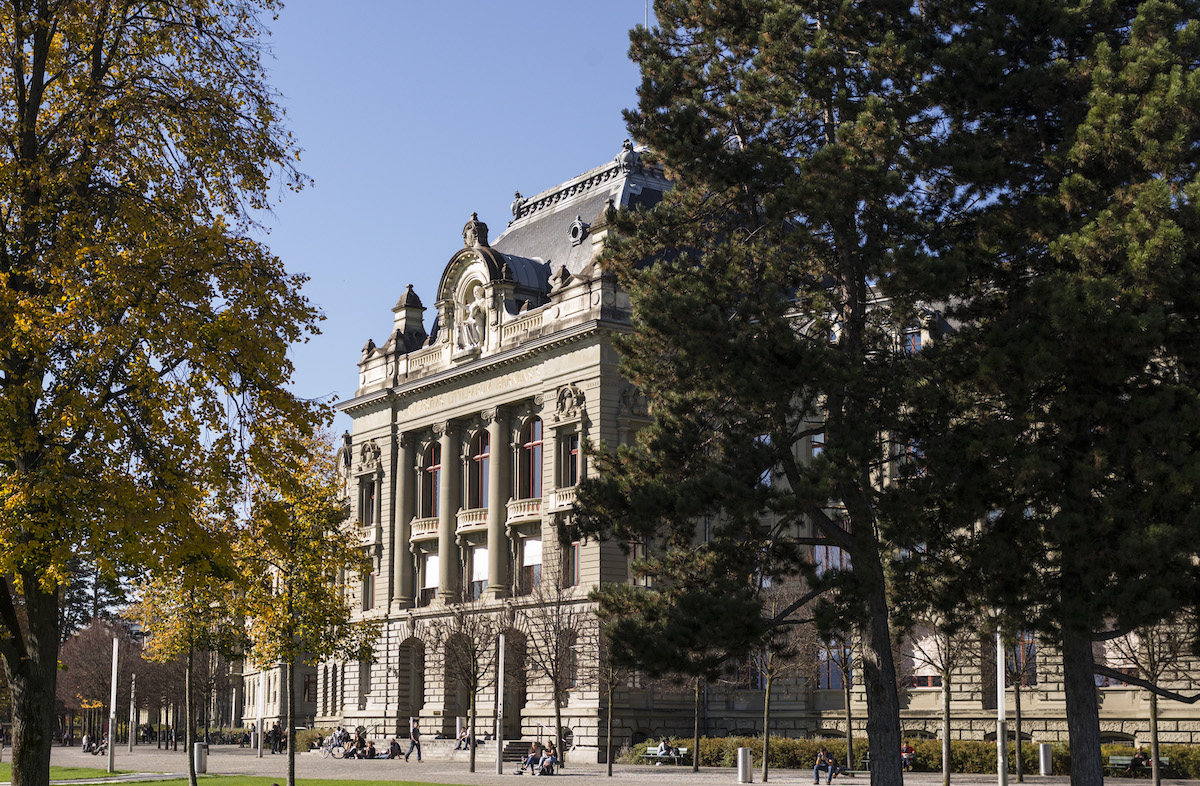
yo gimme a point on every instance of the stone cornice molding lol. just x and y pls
(454, 377)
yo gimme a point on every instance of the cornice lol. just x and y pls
(454, 376)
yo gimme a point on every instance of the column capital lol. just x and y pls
(493, 415)
(447, 428)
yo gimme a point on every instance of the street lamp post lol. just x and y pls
(112, 714)
(1001, 723)
(132, 711)
(499, 707)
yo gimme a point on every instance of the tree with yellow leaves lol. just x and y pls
(186, 612)
(143, 327)
(292, 558)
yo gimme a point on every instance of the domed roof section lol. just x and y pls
(408, 300)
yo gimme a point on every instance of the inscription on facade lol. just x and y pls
(471, 394)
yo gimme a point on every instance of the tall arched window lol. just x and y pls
(430, 477)
(477, 471)
(529, 470)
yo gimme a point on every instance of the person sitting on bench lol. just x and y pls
(1140, 761)
(825, 763)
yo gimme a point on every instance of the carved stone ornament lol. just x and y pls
(569, 405)
(517, 203)
(632, 402)
(471, 319)
(368, 457)
(629, 160)
(475, 232)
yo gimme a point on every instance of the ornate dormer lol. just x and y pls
(578, 230)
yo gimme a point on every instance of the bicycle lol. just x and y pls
(333, 747)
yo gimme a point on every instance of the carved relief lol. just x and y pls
(369, 458)
(632, 402)
(569, 405)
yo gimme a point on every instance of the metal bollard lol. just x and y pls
(745, 766)
(1044, 763)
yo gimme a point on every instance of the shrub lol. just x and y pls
(966, 756)
(306, 737)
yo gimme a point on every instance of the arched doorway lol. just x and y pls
(515, 694)
(410, 672)
(457, 699)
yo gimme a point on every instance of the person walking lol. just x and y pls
(415, 735)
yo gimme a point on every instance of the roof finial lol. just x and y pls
(475, 233)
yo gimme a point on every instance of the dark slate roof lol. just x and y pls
(541, 232)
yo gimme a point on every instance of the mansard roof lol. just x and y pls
(547, 230)
(549, 227)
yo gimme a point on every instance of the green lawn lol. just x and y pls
(57, 773)
(261, 780)
(69, 773)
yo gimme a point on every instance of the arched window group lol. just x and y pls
(529, 460)
(477, 471)
(430, 479)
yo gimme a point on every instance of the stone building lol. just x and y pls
(461, 472)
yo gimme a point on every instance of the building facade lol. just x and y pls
(461, 472)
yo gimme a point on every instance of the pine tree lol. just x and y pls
(766, 319)
(1063, 416)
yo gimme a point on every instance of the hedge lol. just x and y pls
(966, 756)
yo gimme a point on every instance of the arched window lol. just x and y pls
(430, 479)
(529, 465)
(477, 471)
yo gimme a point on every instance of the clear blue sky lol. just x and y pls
(411, 115)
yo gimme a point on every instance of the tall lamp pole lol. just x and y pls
(261, 690)
(112, 714)
(1001, 723)
(499, 707)
(132, 711)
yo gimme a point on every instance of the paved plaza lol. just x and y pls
(451, 767)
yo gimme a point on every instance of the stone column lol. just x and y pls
(448, 494)
(499, 467)
(405, 494)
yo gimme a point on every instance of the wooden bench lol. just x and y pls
(1118, 764)
(652, 755)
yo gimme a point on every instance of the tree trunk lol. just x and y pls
(946, 728)
(1154, 739)
(766, 767)
(1083, 719)
(847, 676)
(1017, 715)
(562, 749)
(188, 724)
(471, 736)
(696, 731)
(879, 679)
(290, 716)
(30, 664)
